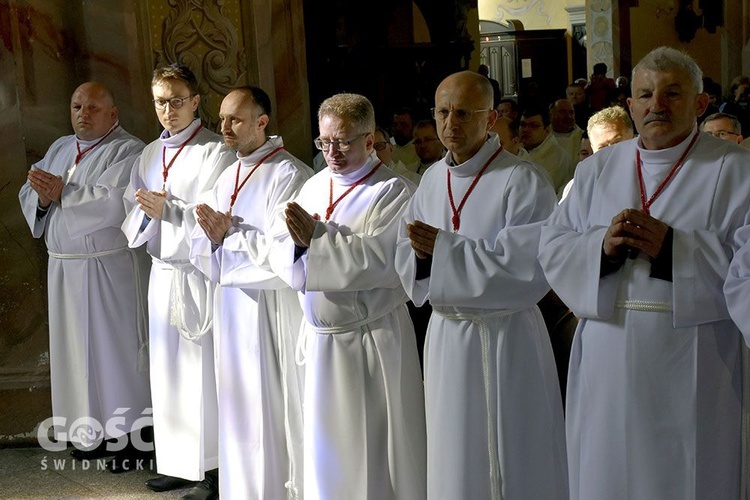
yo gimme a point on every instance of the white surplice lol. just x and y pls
(364, 407)
(554, 159)
(570, 142)
(494, 411)
(654, 386)
(96, 285)
(183, 383)
(256, 324)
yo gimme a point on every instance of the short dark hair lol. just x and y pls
(533, 110)
(176, 71)
(600, 69)
(259, 97)
(513, 103)
(430, 122)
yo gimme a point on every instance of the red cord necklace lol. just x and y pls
(646, 204)
(80, 154)
(332, 204)
(457, 211)
(238, 186)
(165, 167)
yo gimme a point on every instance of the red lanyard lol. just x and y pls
(332, 204)
(238, 186)
(646, 204)
(165, 167)
(457, 211)
(81, 153)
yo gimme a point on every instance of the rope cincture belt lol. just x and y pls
(141, 330)
(308, 334)
(496, 479)
(644, 305)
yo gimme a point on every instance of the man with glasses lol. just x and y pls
(364, 407)
(427, 144)
(542, 147)
(97, 319)
(725, 127)
(493, 407)
(172, 174)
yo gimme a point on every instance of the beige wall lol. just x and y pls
(718, 54)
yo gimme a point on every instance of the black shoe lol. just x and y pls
(167, 483)
(92, 453)
(208, 489)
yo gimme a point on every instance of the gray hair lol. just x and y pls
(667, 58)
(717, 116)
(610, 116)
(352, 107)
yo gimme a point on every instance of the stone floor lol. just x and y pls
(34, 473)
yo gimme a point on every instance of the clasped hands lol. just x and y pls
(214, 224)
(301, 224)
(422, 238)
(634, 229)
(151, 202)
(48, 186)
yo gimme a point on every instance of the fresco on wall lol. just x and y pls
(518, 9)
(534, 14)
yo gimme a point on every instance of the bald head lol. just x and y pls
(562, 116)
(244, 117)
(92, 111)
(469, 81)
(464, 113)
(507, 132)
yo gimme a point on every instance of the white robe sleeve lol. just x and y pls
(30, 199)
(737, 284)
(92, 207)
(29, 203)
(246, 251)
(406, 260)
(281, 258)
(361, 261)
(202, 253)
(132, 226)
(700, 263)
(570, 254)
(499, 274)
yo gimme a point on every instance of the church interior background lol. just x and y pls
(300, 52)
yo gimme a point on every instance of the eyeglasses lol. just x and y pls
(339, 144)
(723, 134)
(380, 146)
(174, 103)
(424, 141)
(461, 115)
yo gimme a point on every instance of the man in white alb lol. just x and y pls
(494, 413)
(97, 316)
(256, 315)
(364, 407)
(639, 250)
(541, 146)
(172, 174)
